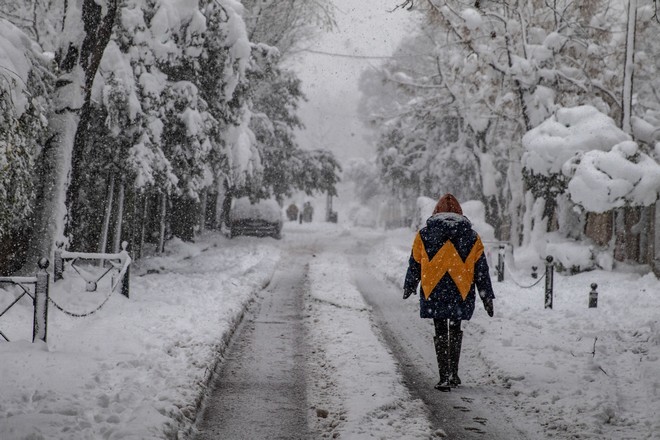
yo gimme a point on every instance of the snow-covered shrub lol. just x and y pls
(571, 255)
(474, 210)
(579, 161)
(605, 180)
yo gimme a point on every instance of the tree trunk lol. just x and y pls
(202, 211)
(54, 166)
(120, 216)
(143, 226)
(78, 63)
(619, 234)
(108, 214)
(219, 205)
(163, 213)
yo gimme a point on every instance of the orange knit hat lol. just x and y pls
(448, 203)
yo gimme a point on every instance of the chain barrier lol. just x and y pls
(80, 315)
(520, 285)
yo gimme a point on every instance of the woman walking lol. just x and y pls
(448, 258)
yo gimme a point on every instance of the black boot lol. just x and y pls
(441, 352)
(455, 342)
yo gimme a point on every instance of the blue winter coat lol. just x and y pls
(448, 259)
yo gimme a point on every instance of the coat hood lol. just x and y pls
(449, 223)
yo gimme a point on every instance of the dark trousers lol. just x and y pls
(443, 326)
(448, 340)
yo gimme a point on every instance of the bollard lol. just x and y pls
(124, 281)
(549, 271)
(40, 320)
(593, 296)
(58, 264)
(535, 274)
(500, 264)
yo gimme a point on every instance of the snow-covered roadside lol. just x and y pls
(569, 372)
(356, 391)
(137, 368)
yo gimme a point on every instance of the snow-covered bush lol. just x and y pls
(474, 210)
(579, 161)
(605, 180)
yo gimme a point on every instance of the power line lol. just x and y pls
(345, 55)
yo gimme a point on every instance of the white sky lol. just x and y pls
(364, 28)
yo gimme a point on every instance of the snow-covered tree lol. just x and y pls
(287, 24)
(275, 95)
(274, 91)
(499, 69)
(24, 88)
(86, 27)
(169, 102)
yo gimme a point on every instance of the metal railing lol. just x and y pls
(120, 262)
(39, 299)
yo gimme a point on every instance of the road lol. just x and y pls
(260, 391)
(467, 412)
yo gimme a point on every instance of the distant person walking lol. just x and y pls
(448, 258)
(292, 212)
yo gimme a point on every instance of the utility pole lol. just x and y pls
(628, 68)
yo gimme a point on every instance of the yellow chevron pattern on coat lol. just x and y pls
(447, 260)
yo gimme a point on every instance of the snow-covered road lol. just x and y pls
(259, 392)
(468, 412)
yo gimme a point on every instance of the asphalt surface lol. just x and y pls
(260, 388)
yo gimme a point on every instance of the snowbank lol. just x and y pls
(137, 367)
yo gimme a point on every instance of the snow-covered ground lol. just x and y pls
(137, 368)
(355, 378)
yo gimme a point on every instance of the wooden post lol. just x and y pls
(40, 321)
